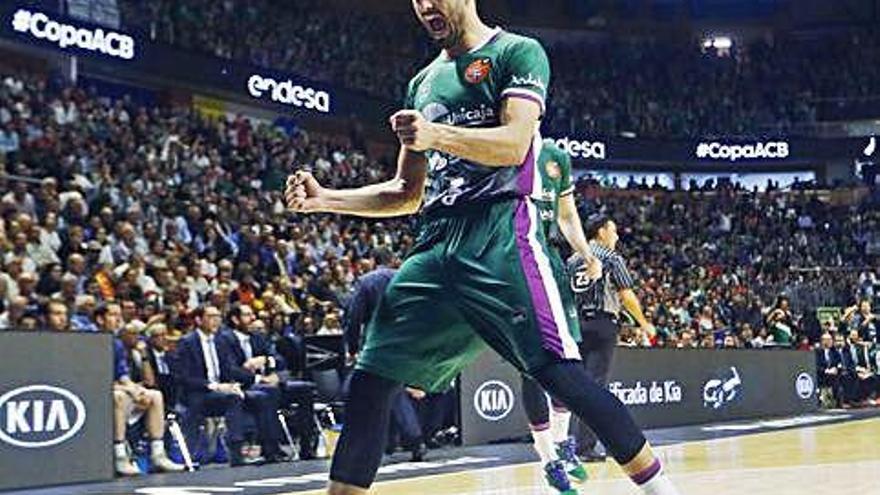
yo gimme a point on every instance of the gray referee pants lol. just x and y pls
(597, 352)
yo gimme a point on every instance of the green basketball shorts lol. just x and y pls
(480, 276)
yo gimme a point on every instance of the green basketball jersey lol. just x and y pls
(467, 91)
(554, 167)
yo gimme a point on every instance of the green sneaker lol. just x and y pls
(567, 452)
(554, 473)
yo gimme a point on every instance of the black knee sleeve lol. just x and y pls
(603, 412)
(360, 447)
(535, 402)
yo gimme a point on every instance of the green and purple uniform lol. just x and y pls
(554, 166)
(480, 271)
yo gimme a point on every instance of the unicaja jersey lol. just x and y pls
(554, 169)
(467, 91)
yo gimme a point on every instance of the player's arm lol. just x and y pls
(570, 226)
(502, 146)
(401, 195)
(623, 281)
(523, 75)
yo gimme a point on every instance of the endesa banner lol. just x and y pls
(661, 387)
(721, 152)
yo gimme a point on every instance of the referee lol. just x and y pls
(599, 304)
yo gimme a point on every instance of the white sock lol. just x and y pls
(119, 450)
(544, 445)
(559, 423)
(157, 448)
(659, 485)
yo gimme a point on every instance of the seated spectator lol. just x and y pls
(161, 363)
(829, 367)
(131, 401)
(253, 367)
(208, 384)
(83, 319)
(15, 311)
(860, 355)
(864, 321)
(56, 316)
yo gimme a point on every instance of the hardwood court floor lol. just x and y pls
(836, 459)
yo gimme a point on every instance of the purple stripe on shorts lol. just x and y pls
(526, 178)
(645, 475)
(540, 301)
(540, 427)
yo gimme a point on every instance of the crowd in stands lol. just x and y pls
(650, 87)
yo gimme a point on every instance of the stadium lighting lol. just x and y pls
(721, 44)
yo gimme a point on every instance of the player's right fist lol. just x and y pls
(303, 193)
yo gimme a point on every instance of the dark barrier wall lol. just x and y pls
(662, 387)
(56, 423)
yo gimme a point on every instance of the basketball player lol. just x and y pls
(559, 217)
(479, 271)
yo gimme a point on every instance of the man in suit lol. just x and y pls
(161, 363)
(253, 367)
(848, 378)
(861, 360)
(829, 367)
(205, 374)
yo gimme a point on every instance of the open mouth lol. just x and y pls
(437, 24)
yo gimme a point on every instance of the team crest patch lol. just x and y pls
(477, 71)
(553, 170)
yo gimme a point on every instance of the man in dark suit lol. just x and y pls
(205, 374)
(253, 367)
(848, 378)
(861, 360)
(829, 367)
(161, 363)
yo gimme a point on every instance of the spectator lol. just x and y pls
(131, 402)
(56, 316)
(209, 387)
(161, 363)
(253, 367)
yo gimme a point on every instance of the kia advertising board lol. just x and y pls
(56, 418)
(661, 387)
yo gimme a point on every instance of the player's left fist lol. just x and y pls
(413, 130)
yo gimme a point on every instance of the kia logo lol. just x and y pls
(493, 400)
(804, 386)
(38, 416)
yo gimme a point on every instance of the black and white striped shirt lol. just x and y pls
(602, 294)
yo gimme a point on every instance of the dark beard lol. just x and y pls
(450, 41)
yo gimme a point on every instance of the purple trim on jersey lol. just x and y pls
(540, 301)
(526, 179)
(645, 475)
(524, 94)
(540, 427)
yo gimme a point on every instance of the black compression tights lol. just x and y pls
(535, 403)
(359, 450)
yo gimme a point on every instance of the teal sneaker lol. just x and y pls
(554, 473)
(567, 452)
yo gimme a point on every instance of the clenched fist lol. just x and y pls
(303, 193)
(413, 130)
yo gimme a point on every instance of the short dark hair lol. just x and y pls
(594, 224)
(102, 308)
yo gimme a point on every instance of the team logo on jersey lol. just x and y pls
(553, 170)
(477, 71)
